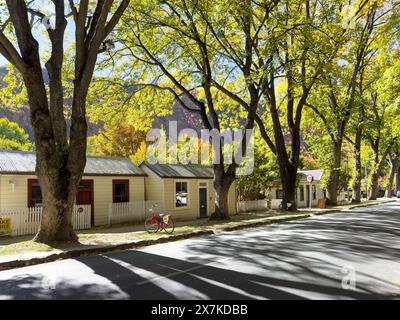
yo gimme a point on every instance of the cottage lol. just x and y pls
(185, 191)
(112, 191)
(105, 181)
(302, 191)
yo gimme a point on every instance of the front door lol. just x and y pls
(203, 202)
(308, 195)
(85, 196)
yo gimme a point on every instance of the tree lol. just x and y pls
(284, 39)
(12, 137)
(304, 40)
(340, 87)
(178, 51)
(266, 170)
(381, 134)
(120, 138)
(393, 159)
(60, 158)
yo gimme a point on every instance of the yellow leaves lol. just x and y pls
(349, 15)
(12, 137)
(13, 93)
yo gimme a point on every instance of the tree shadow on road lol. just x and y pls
(297, 260)
(140, 275)
(319, 250)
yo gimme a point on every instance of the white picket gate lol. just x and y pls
(82, 217)
(135, 211)
(26, 221)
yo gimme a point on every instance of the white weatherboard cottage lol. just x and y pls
(303, 190)
(185, 191)
(112, 191)
(106, 182)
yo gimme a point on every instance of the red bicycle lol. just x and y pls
(156, 222)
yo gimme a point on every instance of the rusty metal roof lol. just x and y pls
(186, 171)
(17, 162)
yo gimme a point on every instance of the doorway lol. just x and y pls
(308, 195)
(203, 202)
(84, 196)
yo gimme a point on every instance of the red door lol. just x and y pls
(85, 196)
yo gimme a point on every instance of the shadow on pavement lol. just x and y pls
(294, 260)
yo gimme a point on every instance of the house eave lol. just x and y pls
(19, 173)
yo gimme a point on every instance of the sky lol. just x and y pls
(39, 30)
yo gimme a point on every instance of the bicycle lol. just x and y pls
(155, 222)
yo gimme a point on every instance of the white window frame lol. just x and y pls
(188, 194)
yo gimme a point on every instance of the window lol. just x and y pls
(120, 191)
(314, 190)
(301, 192)
(34, 194)
(181, 194)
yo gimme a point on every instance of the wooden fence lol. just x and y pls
(135, 211)
(26, 221)
(257, 205)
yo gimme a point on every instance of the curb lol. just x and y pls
(143, 243)
(266, 222)
(101, 250)
(361, 205)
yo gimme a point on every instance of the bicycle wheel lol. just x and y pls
(169, 226)
(151, 225)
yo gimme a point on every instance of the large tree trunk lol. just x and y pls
(394, 163)
(377, 169)
(59, 193)
(397, 188)
(333, 185)
(287, 165)
(373, 190)
(357, 169)
(288, 175)
(57, 212)
(59, 161)
(222, 183)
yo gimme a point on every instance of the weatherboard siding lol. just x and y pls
(182, 213)
(150, 188)
(102, 193)
(17, 199)
(192, 210)
(154, 186)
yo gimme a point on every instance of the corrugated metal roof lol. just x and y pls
(181, 171)
(317, 174)
(24, 162)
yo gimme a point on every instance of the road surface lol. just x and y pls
(351, 255)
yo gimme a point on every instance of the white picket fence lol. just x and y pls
(248, 206)
(26, 221)
(341, 198)
(135, 211)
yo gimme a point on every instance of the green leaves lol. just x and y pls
(12, 137)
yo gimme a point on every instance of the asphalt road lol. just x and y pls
(352, 255)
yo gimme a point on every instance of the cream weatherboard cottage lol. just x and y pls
(185, 191)
(112, 191)
(105, 181)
